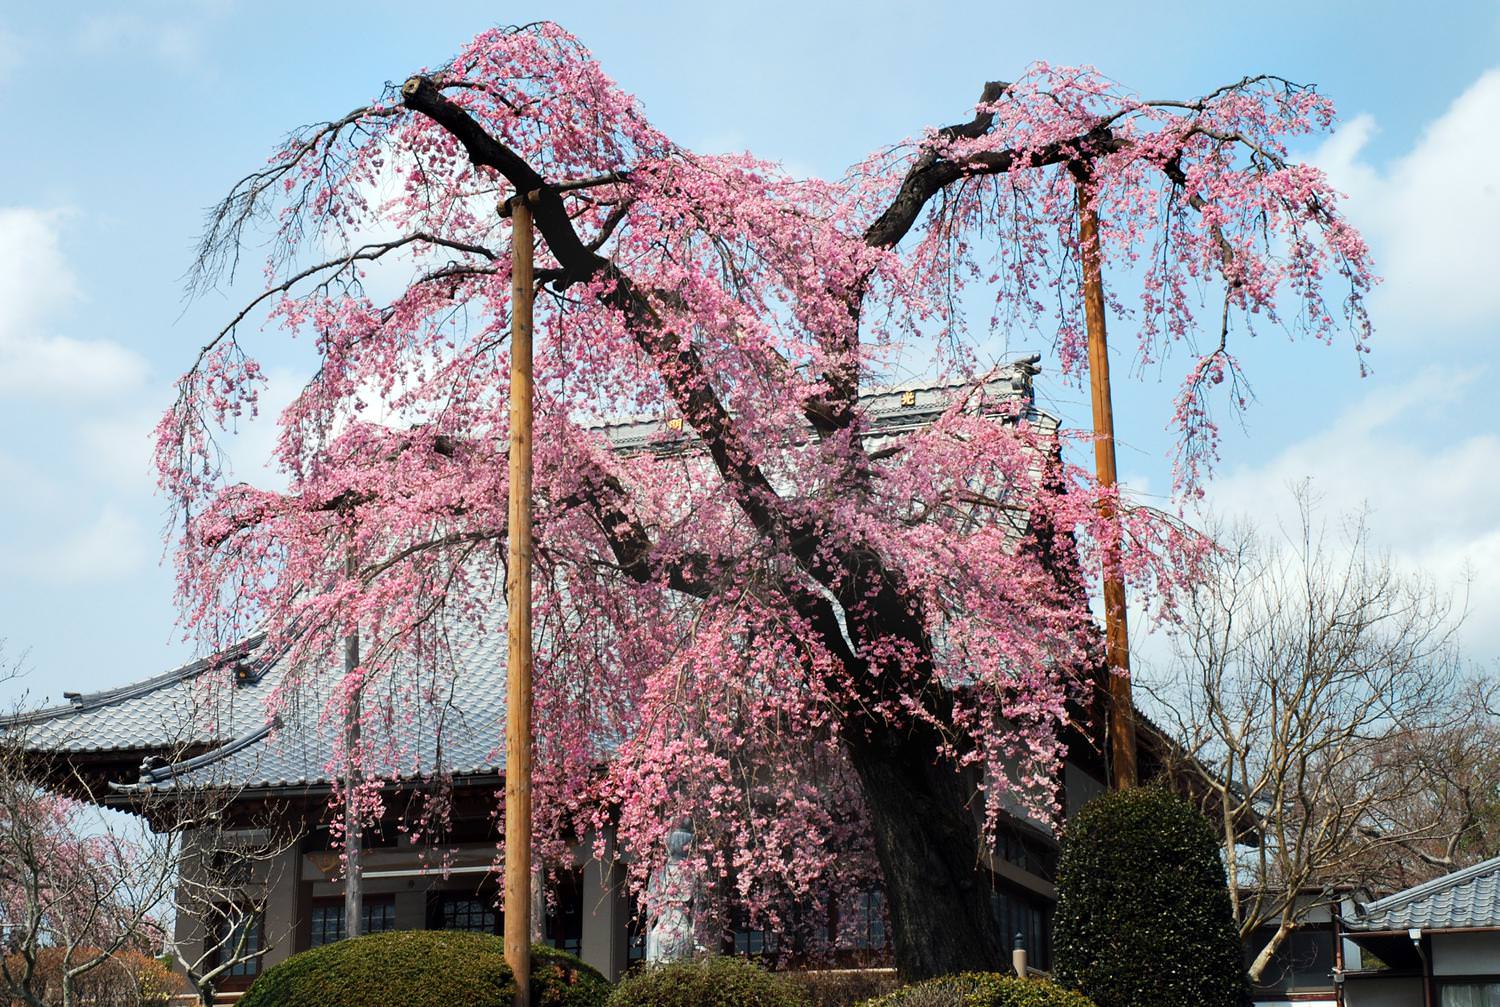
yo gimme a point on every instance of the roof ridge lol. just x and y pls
(1433, 887)
(157, 774)
(1022, 367)
(84, 702)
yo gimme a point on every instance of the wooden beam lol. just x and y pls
(518, 603)
(1120, 708)
(353, 828)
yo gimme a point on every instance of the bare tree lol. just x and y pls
(225, 878)
(80, 886)
(81, 883)
(1447, 775)
(1302, 670)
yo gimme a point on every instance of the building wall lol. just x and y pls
(187, 932)
(306, 873)
(1080, 787)
(281, 907)
(1466, 954)
(1383, 992)
(605, 914)
(274, 879)
(297, 878)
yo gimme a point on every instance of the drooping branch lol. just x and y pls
(219, 247)
(364, 253)
(599, 492)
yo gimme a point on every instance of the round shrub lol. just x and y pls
(559, 979)
(422, 968)
(1143, 915)
(982, 989)
(707, 982)
(838, 987)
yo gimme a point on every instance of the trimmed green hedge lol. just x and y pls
(707, 982)
(844, 987)
(982, 989)
(422, 968)
(1143, 914)
(559, 979)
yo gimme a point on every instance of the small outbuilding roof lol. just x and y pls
(1466, 899)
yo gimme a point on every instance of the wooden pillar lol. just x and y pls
(1120, 708)
(604, 915)
(518, 602)
(353, 832)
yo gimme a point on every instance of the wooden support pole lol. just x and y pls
(518, 603)
(1120, 708)
(353, 832)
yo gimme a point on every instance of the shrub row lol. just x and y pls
(423, 968)
(1143, 920)
(434, 968)
(982, 989)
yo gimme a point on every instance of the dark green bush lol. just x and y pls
(1143, 915)
(844, 987)
(559, 979)
(707, 982)
(982, 989)
(422, 968)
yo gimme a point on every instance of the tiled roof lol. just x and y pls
(1463, 899)
(223, 703)
(452, 722)
(167, 710)
(888, 411)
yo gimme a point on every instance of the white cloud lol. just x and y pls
(1431, 213)
(36, 285)
(111, 547)
(36, 279)
(173, 33)
(1428, 479)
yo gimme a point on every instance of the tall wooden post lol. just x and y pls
(353, 832)
(1120, 727)
(518, 602)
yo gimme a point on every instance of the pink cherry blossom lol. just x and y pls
(722, 613)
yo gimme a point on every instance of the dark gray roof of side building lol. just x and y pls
(1465, 899)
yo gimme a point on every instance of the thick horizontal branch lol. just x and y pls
(679, 364)
(931, 173)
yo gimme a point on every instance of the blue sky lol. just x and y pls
(122, 122)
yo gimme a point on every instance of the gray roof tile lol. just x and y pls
(1466, 898)
(451, 724)
(193, 703)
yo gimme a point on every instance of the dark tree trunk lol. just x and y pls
(937, 886)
